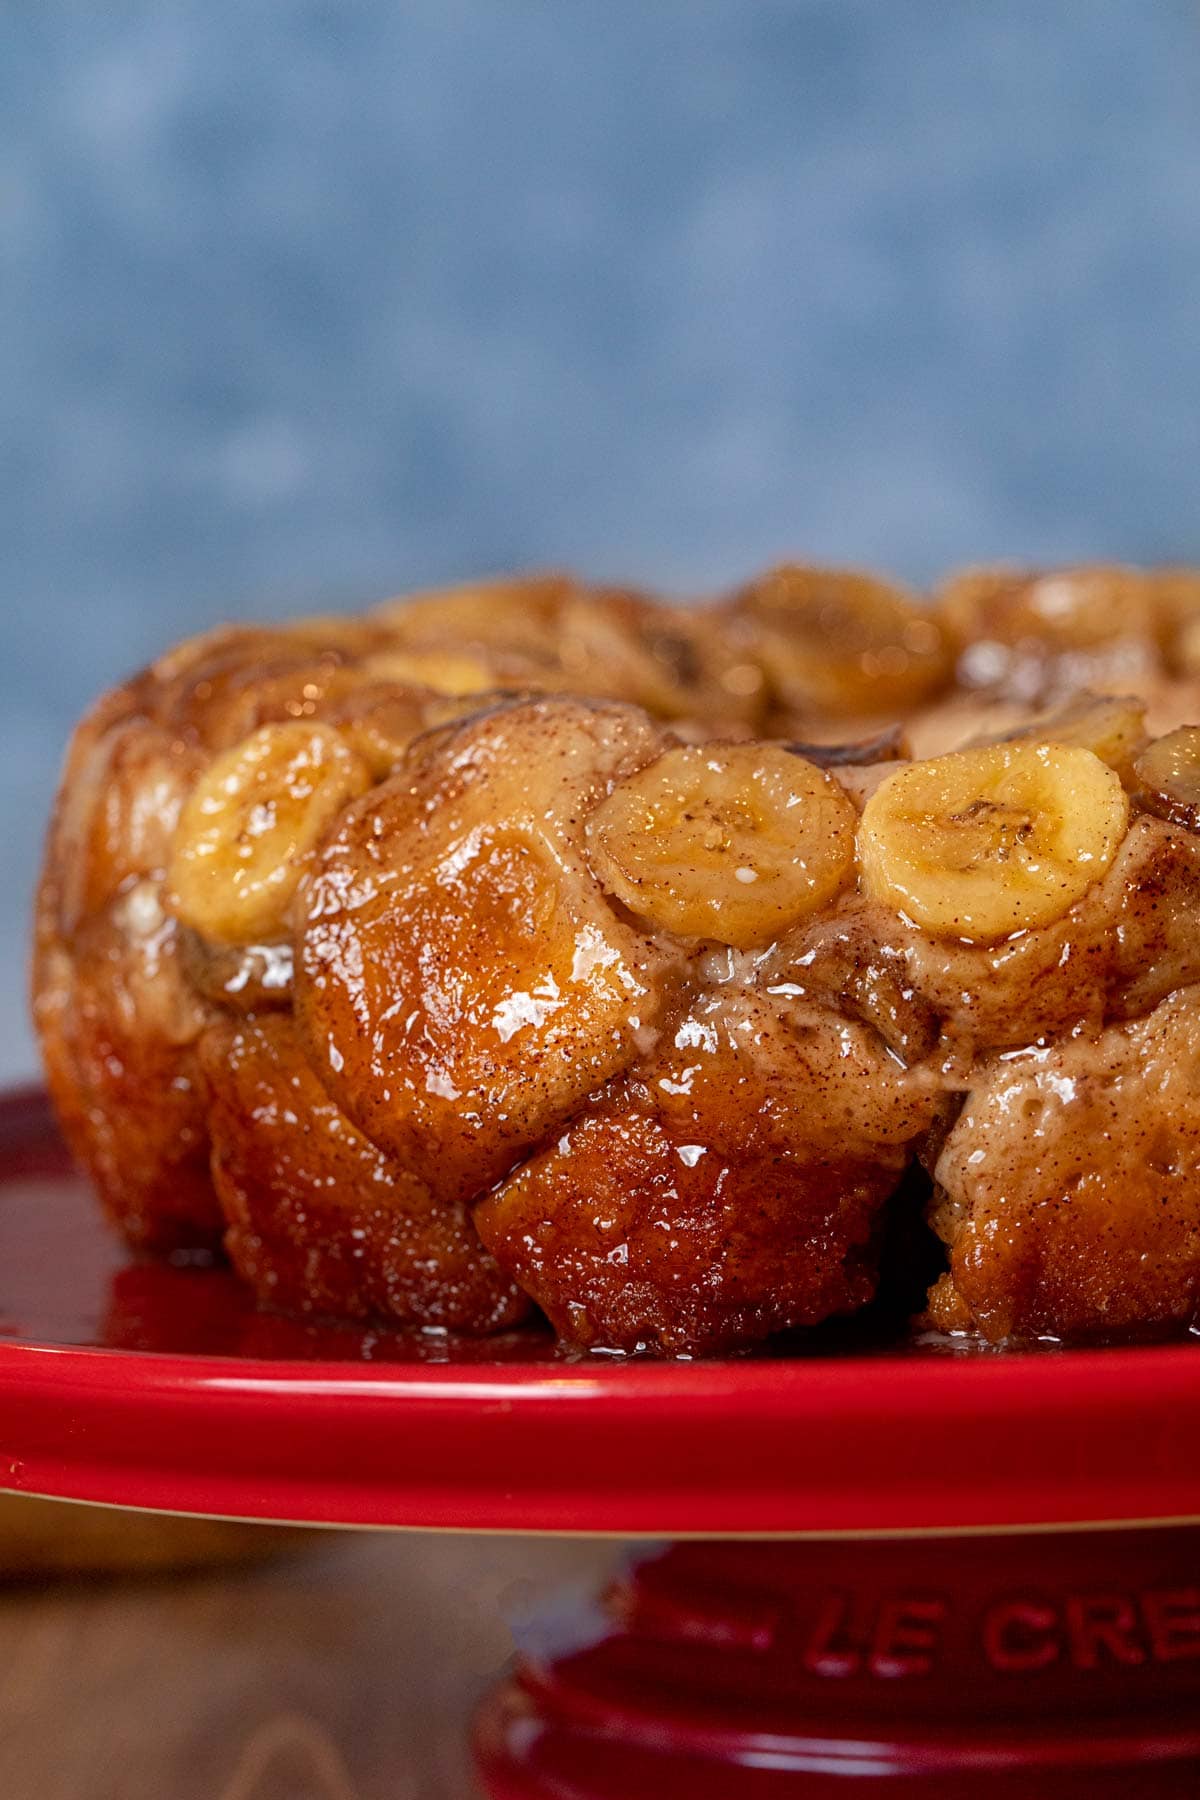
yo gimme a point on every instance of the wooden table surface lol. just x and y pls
(345, 1670)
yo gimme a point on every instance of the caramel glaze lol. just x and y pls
(461, 1079)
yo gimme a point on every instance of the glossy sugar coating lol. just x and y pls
(540, 945)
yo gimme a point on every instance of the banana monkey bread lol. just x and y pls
(536, 946)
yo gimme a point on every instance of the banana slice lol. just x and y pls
(1167, 774)
(984, 843)
(513, 615)
(673, 660)
(1060, 609)
(837, 642)
(1111, 726)
(889, 745)
(441, 667)
(250, 824)
(734, 842)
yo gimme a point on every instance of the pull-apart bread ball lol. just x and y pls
(319, 1218)
(730, 1186)
(536, 946)
(118, 1020)
(463, 982)
(1069, 1189)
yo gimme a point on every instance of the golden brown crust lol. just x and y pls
(320, 1220)
(463, 1056)
(463, 983)
(117, 1018)
(119, 1026)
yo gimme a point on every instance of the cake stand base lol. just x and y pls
(966, 1668)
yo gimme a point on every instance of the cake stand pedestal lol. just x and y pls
(1008, 1668)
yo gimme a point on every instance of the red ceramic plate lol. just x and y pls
(145, 1384)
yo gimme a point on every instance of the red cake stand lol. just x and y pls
(899, 1572)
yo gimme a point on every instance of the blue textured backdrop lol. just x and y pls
(301, 302)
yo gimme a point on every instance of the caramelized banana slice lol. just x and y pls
(236, 679)
(210, 652)
(1111, 726)
(1051, 611)
(984, 843)
(1168, 777)
(1033, 634)
(734, 842)
(250, 825)
(1065, 609)
(673, 660)
(833, 641)
(889, 745)
(447, 671)
(513, 615)
(195, 658)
